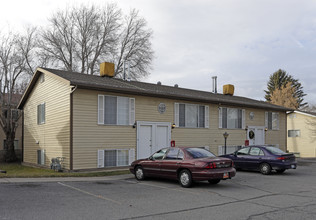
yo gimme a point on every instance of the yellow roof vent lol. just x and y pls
(228, 89)
(107, 69)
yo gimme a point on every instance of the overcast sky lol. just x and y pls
(242, 42)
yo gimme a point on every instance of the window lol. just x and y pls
(14, 113)
(41, 157)
(231, 118)
(16, 144)
(275, 150)
(42, 78)
(115, 157)
(272, 120)
(41, 114)
(160, 154)
(229, 149)
(172, 154)
(243, 151)
(294, 133)
(255, 151)
(199, 153)
(191, 115)
(116, 110)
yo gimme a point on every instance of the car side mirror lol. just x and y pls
(235, 154)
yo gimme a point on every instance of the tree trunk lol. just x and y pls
(9, 146)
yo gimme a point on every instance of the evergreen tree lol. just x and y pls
(278, 80)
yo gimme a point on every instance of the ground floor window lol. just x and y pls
(41, 157)
(115, 157)
(229, 149)
(16, 144)
(294, 133)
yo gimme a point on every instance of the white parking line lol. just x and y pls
(91, 194)
(163, 187)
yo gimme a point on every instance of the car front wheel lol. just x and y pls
(185, 178)
(265, 169)
(139, 173)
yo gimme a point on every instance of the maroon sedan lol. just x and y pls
(187, 164)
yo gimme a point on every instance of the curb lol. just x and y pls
(65, 179)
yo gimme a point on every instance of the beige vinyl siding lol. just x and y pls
(278, 136)
(89, 137)
(54, 135)
(213, 136)
(305, 144)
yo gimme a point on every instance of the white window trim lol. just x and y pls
(101, 154)
(131, 114)
(176, 114)
(220, 118)
(42, 156)
(206, 115)
(267, 121)
(43, 121)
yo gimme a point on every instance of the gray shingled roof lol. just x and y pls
(95, 82)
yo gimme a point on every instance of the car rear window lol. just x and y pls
(199, 153)
(275, 150)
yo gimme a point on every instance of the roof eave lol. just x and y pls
(185, 98)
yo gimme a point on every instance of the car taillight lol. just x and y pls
(281, 158)
(210, 166)
(232, 163)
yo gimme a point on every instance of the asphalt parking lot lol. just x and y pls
(249, 195)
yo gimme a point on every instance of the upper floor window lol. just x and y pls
(42, 78)
(272, 120)
(116, 110)
(191, 115)
(41, 114)
(294, 133)
(231, 118)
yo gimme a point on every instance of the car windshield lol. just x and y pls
(275, 150)
(199, 153)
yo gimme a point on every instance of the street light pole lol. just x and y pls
(225, 137)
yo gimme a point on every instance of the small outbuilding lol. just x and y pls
(301, 133)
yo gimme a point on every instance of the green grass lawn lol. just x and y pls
(18, 170)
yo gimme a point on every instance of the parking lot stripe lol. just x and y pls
(91, 194)
(163, 187)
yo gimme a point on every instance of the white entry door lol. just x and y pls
(255, 135)
(152, 136)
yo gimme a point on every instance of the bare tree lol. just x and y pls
(135, 46)
(16, 61)
(309, 108)
(80, 38)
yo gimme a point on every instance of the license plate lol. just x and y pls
(293, 166)
(225, 175)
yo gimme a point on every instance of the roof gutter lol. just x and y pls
(171, 96)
